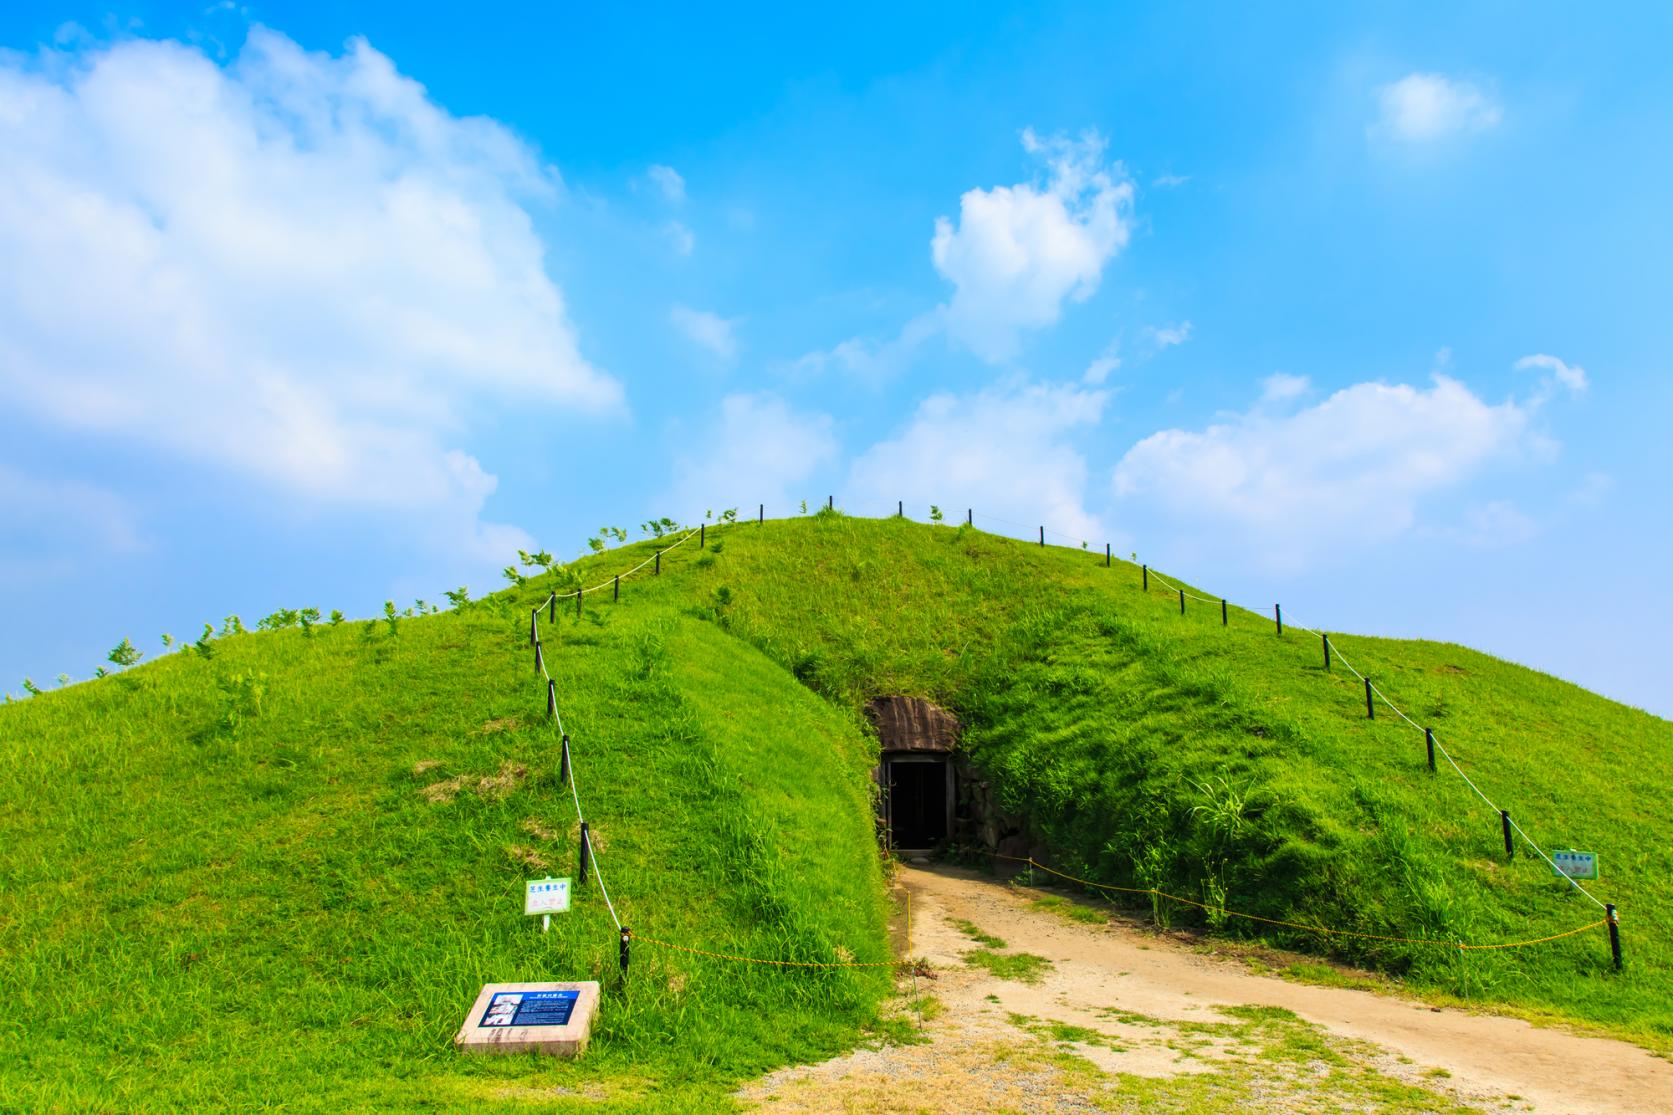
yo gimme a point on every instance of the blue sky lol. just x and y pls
(1360, 311)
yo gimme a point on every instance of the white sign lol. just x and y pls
(546, 896)
(1576, 865)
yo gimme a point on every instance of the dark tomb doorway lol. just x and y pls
(920, 802)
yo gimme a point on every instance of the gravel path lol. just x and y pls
(1124, 1018)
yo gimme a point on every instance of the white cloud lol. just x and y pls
(1350, 471)
(756, 450)
(708, 331)
(1019, 252)
(1570, 376)
(1099, 370)
(864, 358)
(1282, 386)
(1593, 489)
(1495, 524)
(61, 528)
(681, 237)
(297, 267)
(1421, 108)
(668, 180)
(1169, 181)
(1167, 336)
(1003, 451)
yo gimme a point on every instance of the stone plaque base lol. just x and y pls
(551, 1018)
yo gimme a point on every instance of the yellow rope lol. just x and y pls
(1536, 941)
(1292, 924)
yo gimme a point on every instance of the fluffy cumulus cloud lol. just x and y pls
(1017, 253)
(1421, 108)
(757, 449)
(295, 267)
(1005, 451)
(1349, 471)
(708, 331)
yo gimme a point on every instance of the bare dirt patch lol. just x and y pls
(527, 857)
(535, 827)
(489, 786)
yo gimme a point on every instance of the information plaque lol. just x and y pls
(552, 1018)
(530, 1008)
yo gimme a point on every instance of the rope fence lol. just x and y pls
(1320, 929)
(1372, 690)
(588, 854)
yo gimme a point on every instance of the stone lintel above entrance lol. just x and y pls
(913, 724)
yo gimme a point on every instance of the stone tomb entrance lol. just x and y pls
(916, 774)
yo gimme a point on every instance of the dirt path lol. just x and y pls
(1123, 1020)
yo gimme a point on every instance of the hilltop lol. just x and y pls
(296, 858)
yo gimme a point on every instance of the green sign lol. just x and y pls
(545, 896)
(1574, 864)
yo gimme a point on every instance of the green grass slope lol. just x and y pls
(277, 876)
(1227, 765)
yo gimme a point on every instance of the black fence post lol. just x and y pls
(1614, 932)
(1224, 619)
(1429, 738)
(659, 563)
(616, 590)
(900, 509)
(551, 608)
(969, 517)
(586, 852)
(1181, 601)
(1106, 555)
(1504, 820)
(1145, 569)
(702, 535)
(627, 935)
(1042, 536)
(539, 661)
(1370, 709)
(551, 699)
(563, 763)
(1278, 617)
(1326, 639)
(534, 623)
(830, 503)
(761, 515)
(578, 595)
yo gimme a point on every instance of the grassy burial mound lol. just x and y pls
(277, 874)
(279, 871)
(1227, 765)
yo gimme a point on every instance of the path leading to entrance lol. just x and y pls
(1120, 1019)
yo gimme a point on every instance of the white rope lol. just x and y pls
(574, 787)
(1572, 881)
(615, 577)
(1188, 595)
(1340, 657)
